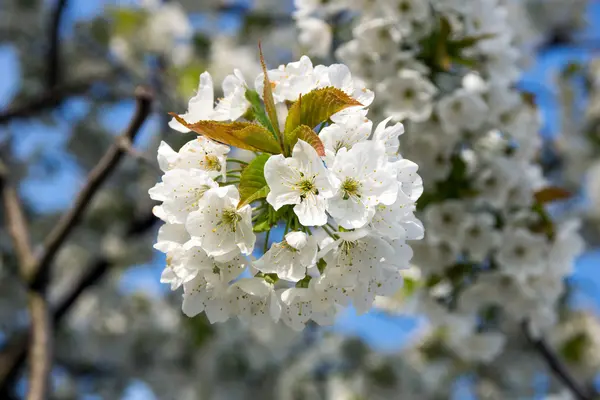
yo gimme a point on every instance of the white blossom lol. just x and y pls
(200, 107)
(219, 227)
(301, 180)
(181, 191)
(364, 179)
(290, 258)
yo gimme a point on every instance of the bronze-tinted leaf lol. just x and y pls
(308, 135)
(317, 107)
(268, 95)
(552, 193)
(244, 135)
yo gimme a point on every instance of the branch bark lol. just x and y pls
(559, 369)
(41, 348)
(41, 343)
(15, 220)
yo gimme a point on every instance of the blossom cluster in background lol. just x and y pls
(493, 257)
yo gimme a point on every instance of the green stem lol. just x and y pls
(266, 246)
(288, 224)
(234, 171)
(332, 235)
(235, 160)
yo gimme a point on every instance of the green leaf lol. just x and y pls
(262, 225)
(441, 45)
(257, 109)
(187, 77)
(574, 349)
(470, 41)
(317, 107)
(268, 96)
(127, 22)
(253, 185)
(410, 287)
(244, 135)
(308, 135)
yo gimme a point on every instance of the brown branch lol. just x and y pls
(41, 348)
(137, 155)
(38, 271)
(15, 220)
(46, 101)
(559, 369)
(95, 180)
(53, 57)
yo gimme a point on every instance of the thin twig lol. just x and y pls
(95, 180)
(15, 220)
(53, 56)
(48, 100)
(559, 369)
(127, 146)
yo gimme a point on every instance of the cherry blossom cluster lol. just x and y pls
(334, 204)
(493, 254)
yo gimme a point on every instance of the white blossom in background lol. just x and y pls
(491, 243)
(343, 182)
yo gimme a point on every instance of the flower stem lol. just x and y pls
(266, 246)
(288, 223)
(235, 160)
(331, 234)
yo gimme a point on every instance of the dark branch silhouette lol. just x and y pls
(559, 369)
(53, 57)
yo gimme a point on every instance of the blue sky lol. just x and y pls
(51, 193)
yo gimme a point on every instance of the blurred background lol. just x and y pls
(69, 73)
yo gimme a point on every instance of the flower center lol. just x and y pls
(198, 193)
(212, 163)
(286, 246)
(404, 7)
(307, 186)
(520, 252)
(340, 145)
(230, 218)
(346, 246)
(350, 188)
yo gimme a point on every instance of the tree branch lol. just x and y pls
(41, 348)
(95, 180)
(15, 220)
(53, 56)
(38, 271)
(559, 369)
(46, 101)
